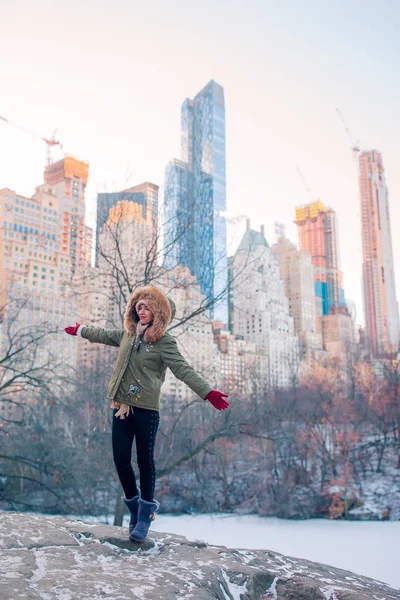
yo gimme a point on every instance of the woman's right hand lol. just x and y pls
(72, 330)
(217, 399)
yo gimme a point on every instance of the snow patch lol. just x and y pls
(226, 597)
(235, 590)
(140, 592)
(271, 594)
(9, 566)
(329, 593)
(154, 550)
(41, 565)
(245, 556)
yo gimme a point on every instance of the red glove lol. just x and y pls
(72, 330)
(217, 399)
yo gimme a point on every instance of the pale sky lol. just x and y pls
(111, 78)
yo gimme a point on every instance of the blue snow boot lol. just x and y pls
(146, 515)
(133, 507)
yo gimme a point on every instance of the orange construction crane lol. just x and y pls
(50, 142)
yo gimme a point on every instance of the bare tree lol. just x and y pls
(132, 252)
(30, 381)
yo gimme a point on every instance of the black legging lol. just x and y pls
(141, 424)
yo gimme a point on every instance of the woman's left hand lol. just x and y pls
(124, 410)
(217, 399)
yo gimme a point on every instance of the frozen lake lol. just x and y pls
(368, 548)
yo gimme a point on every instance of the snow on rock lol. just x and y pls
(270, 594)
(236, 591)
(329, 593)
(381, 495)
(43, 558)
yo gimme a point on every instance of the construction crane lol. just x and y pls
(50, 142)
(355, 147)
(305, 183)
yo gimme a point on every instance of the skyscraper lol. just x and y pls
(195, 197)
(35, 283)
(68, 178)
(381, 308)
(178, 218)
(297, 273)
(317, 231)
(144, 194)
(261, 309)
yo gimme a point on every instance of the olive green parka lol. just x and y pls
(142, 361)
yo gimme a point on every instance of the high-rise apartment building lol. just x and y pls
(89, 240)
(35, 283)
(194, 336)
(381, 308)
(338, 333)
(297, 273)
(242, 367)
(68, 178)
(317, 233)
(260, 308)
(144, 195)
(195, 197)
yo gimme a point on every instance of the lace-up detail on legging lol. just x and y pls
(142, 425)
(155, 419)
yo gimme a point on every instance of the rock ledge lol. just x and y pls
(54, 558)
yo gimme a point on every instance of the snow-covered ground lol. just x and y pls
(369, 548)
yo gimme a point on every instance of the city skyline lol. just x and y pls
(284, 71)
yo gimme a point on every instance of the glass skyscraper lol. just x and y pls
(195, 197)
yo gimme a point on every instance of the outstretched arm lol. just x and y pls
(173, 359)
(97, 335)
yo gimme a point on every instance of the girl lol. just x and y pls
(145, 352)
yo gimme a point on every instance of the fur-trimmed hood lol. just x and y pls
(162, 307)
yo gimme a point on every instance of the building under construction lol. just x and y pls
(317, 233)
(68, 178)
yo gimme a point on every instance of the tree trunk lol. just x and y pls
(119, 508)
